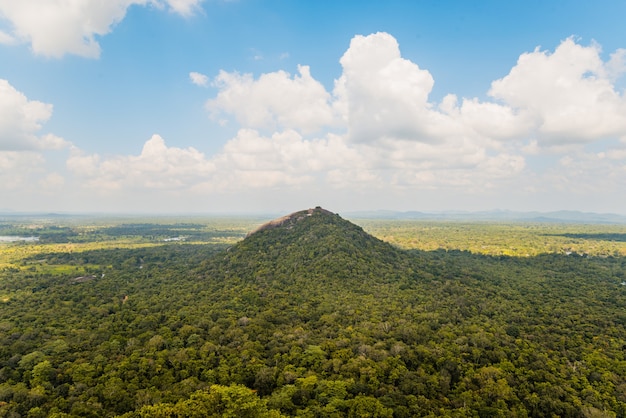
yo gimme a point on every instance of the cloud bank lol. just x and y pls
(378, 135)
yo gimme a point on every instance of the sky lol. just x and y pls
(256, 106)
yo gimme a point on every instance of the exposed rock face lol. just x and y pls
(291, 219)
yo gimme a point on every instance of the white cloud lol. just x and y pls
(184, 7)
(18, 169)
(21, 120)
(381, 94)
(24, 151)
(52, 182)
(376, 135)
(616, 66)
(614, 154)
(274, 101)
(58, 27)
(6, 39)
(53, 142)
(493, 121)
(156, 167)
(381, 115)
(586, 174)
(288, 161)
(199, 79)
(565, 97)
(248, 161)
(285, 158)
(569, 94)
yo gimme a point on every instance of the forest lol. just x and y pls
(311, 316)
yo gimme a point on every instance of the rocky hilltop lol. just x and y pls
(289, 220)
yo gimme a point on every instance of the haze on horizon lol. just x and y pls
(192, 106)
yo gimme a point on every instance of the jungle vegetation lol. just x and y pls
(312, 317)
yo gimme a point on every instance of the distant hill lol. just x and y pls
(563, 216)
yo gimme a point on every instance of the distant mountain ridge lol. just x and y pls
(562, 216)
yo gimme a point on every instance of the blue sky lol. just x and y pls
(191, 106)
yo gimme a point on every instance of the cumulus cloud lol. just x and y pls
(184, 7)
(378, 132)
(379, 96)
(58, 27)
(569, 94)
(616, 66)
(199, 79)
(21, 120)
(492, 121)
(561, 97)
(384, 98)
(248, 161)
(273, 101)
(285, 158)
(380, 113)
(383, 95)
(18, 168)
(390, 134)
(156, 167)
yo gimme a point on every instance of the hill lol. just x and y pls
(311, 316)
(314, 244)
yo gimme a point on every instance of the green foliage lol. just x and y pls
(312, 318)
(498, 238)
(233, 401)
(368, 407)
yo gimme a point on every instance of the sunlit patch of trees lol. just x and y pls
(497, 238)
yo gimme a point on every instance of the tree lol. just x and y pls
(234, 401)
(368, 407)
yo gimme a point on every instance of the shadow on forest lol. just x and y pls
(616, 237)
(173, 253)
(194, 254)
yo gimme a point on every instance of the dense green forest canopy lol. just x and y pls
(312, 316)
